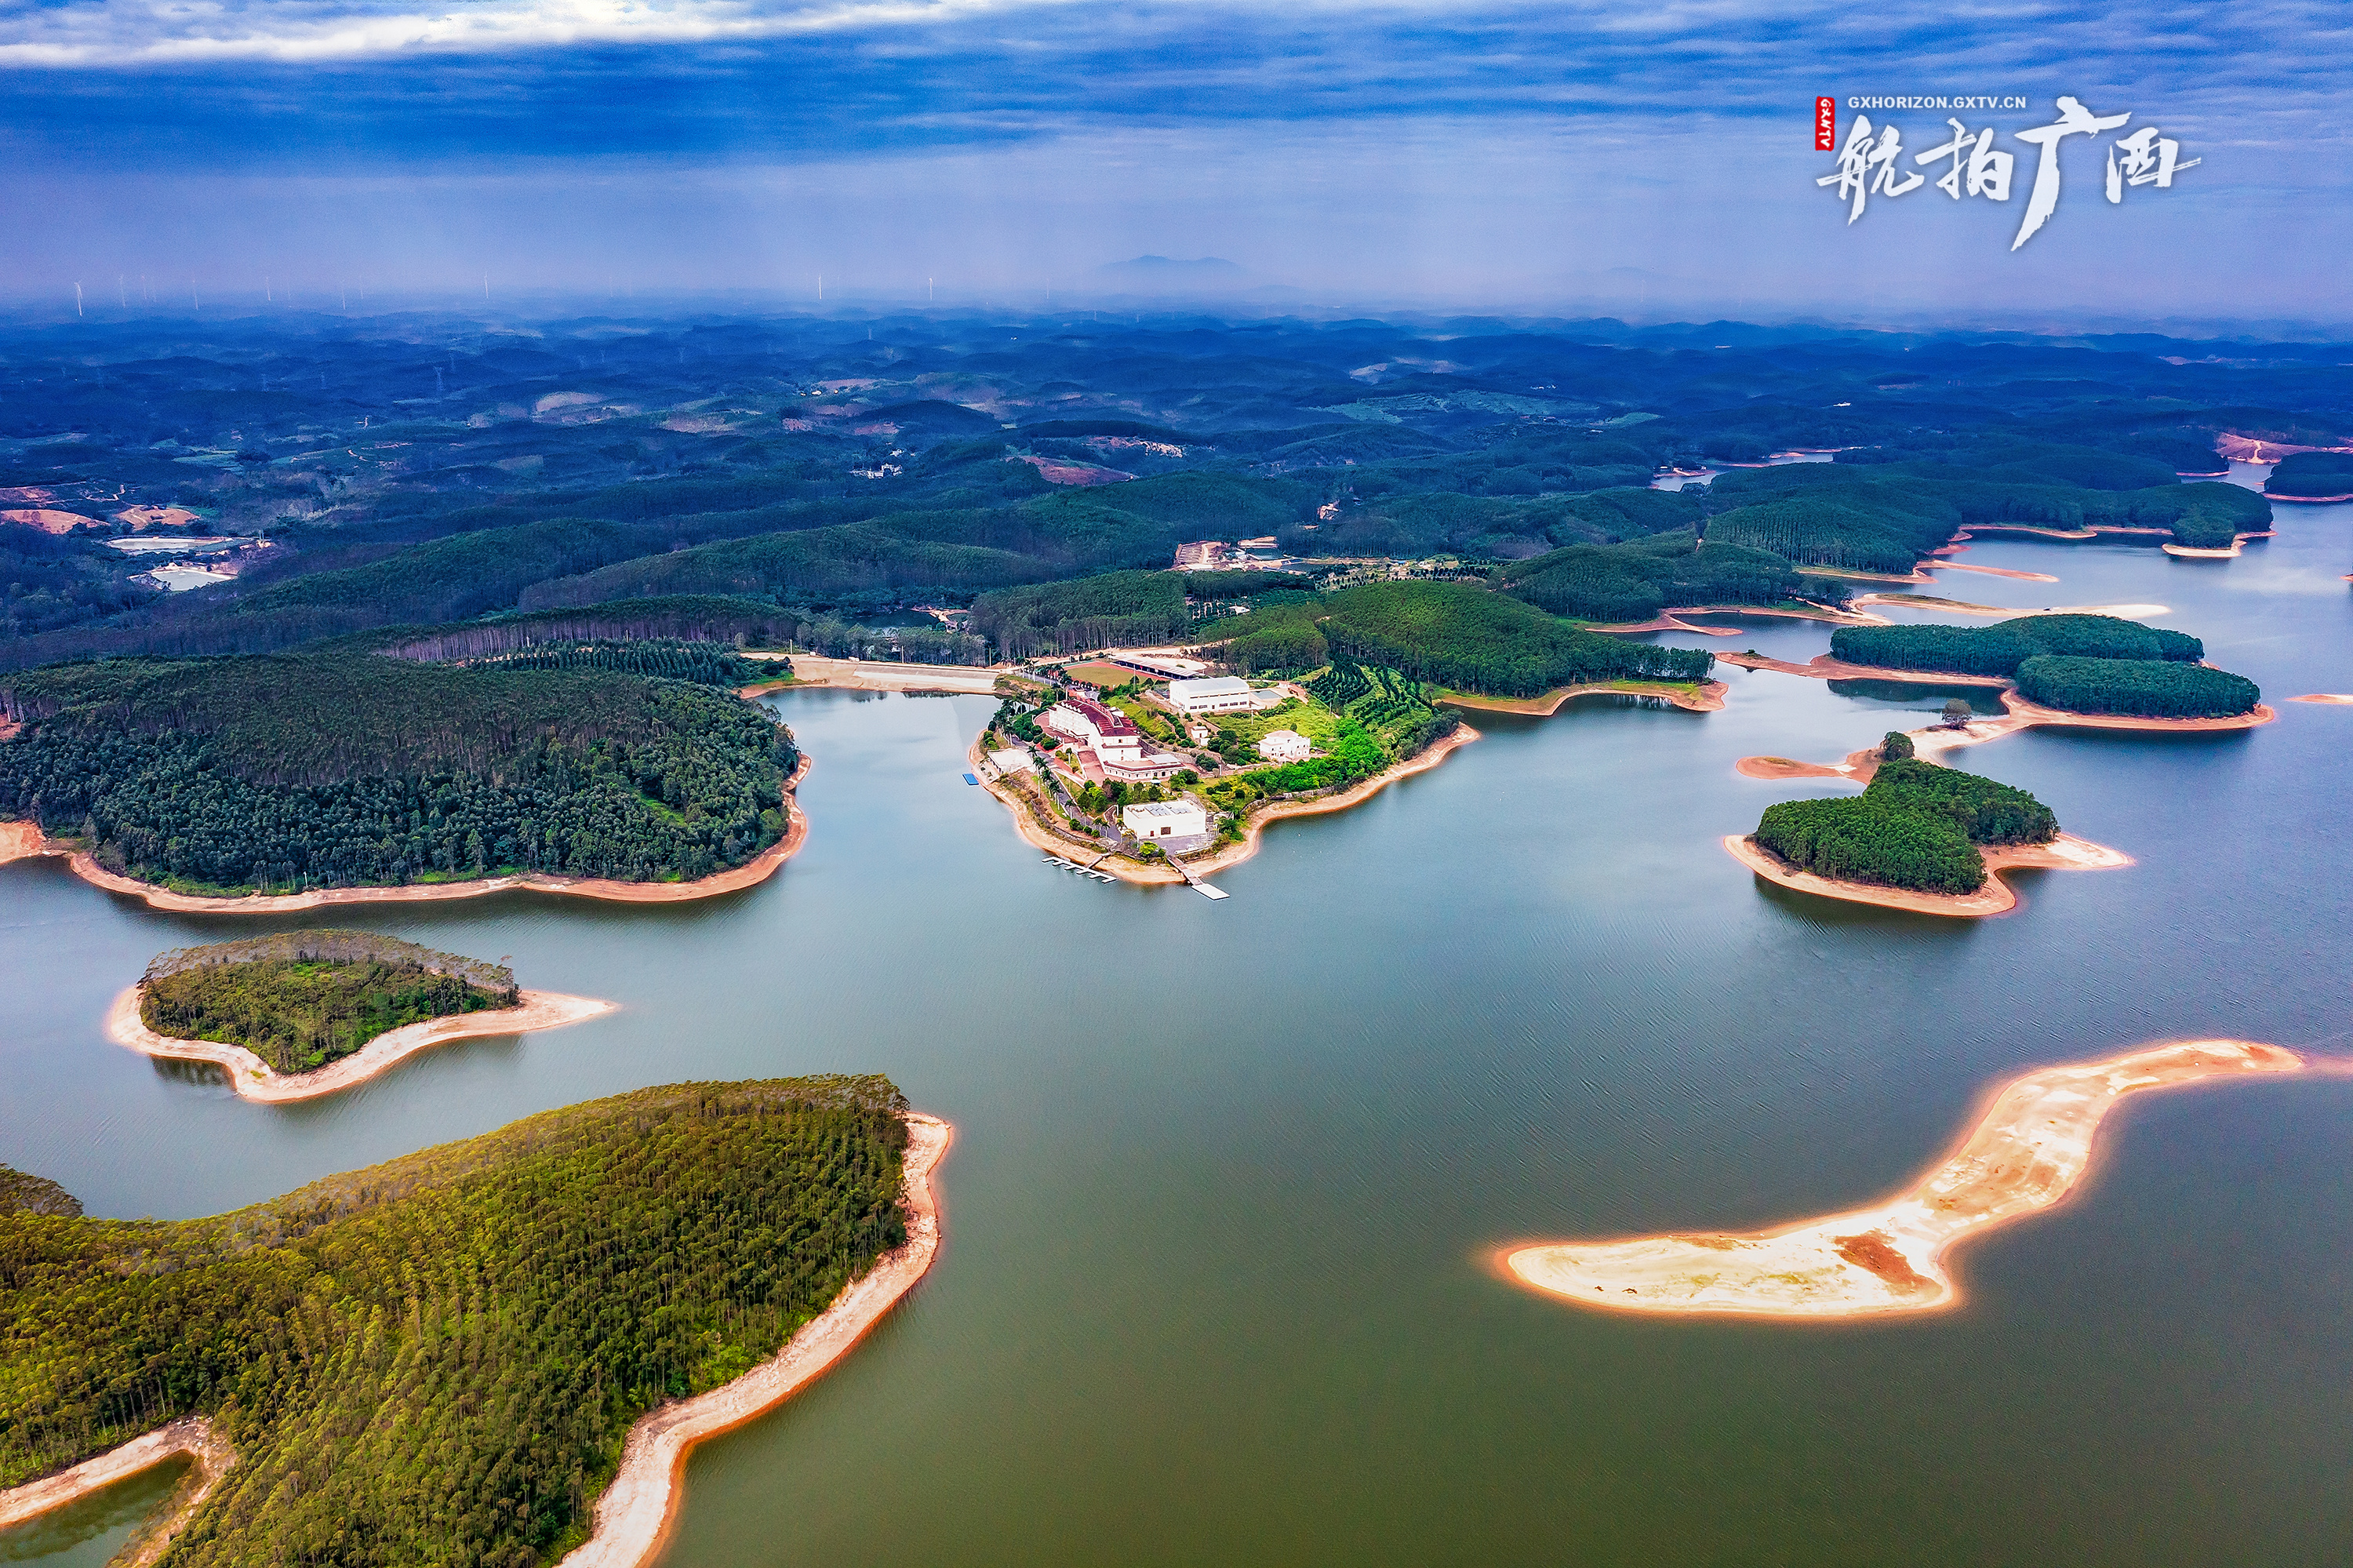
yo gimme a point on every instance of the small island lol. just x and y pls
(2030, 1149)
(496, 1351)
(2091, 665)
(306, 1013)
(1920, 837)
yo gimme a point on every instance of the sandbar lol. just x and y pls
(874, 675)
(634, 1516)
(751, 872)
(2031, 1146)
(193, 1436)
(2065, 853)
(256, 1080)
(1950, 565)
(2193, 553)
(1698, 697)
(2326, 697)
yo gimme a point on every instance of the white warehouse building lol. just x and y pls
(1183, 818)
(1216, 695)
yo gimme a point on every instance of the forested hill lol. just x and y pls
(435, 1359)
(291, 771)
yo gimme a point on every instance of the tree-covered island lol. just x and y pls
(435, 1359)
(300, 1000)
(1917, 826)
(2081, 663)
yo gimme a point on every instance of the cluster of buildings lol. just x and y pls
(1123, 753)
(1261, 555)
(1119, 747)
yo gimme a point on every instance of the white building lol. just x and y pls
(1013, 760)
(1183, 818)
(1285, 745)
(1218, 694)
(1114, 738)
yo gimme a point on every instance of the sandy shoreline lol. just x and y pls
(814, 671)
(2065, 853)
(256, 1080)
(634, 1516)
(758, 869)
(1707, 698)
(2030, 1145)
(2019, 713)
(193, 1436)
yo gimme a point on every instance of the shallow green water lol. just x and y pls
(1228, 1175)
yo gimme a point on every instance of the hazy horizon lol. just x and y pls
(1569, 160)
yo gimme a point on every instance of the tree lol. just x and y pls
(1897, 746)
(1957, 712)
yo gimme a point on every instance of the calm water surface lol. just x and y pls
(1227, 1175)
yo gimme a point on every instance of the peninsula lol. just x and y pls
(307, 1013)
(735, 1239)
(290, 782)
(2031, 1146)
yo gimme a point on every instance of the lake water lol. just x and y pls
(1227, 1174)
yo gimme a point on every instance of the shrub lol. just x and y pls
(1896, 746)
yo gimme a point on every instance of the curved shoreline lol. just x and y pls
(2020, 713)
(191, 1435)
(2029, 1146)
(753, 872)
(635, 1514)
(1254, 824)
(638, 1508)
(254, 1079)
(1706, 697)
(2065, 853)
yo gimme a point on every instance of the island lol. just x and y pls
(2031, 1146)
(1921, 837)
(305, 1013)
(494, 1351)
(260, 784)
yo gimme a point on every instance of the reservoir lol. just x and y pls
(1227, 1174)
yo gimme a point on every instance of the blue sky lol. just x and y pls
(1647, 159)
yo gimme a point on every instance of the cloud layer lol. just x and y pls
(1325, 144)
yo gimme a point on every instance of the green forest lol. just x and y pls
(435, 1360)
(292, 771)
(300, 1000)
(2000, 649)
(1915, 826)
(2142, 688)
(1634, 581)
(2309, 474)
(1468, 638)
